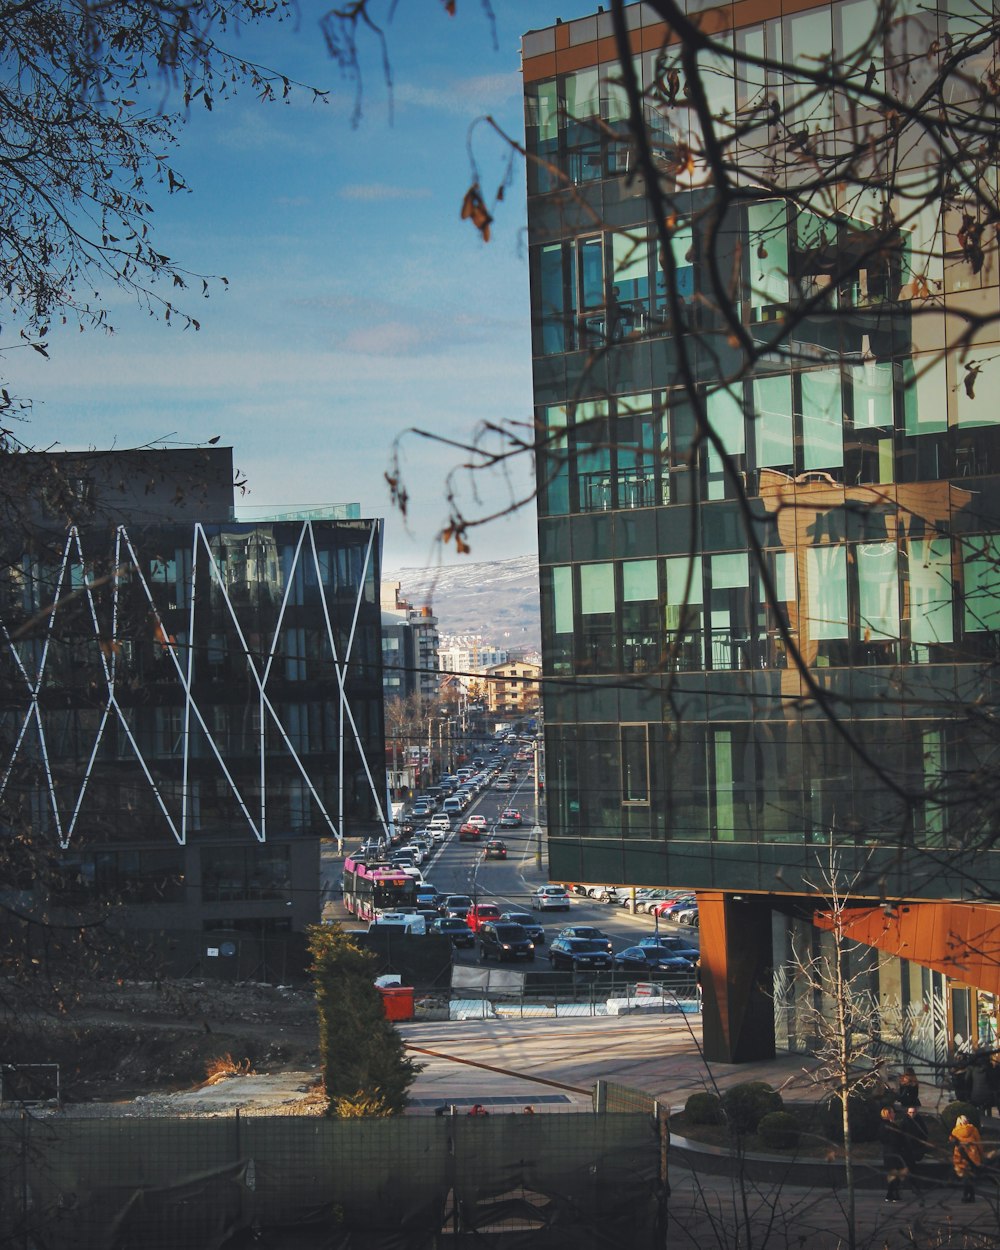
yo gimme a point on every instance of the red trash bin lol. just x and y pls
(397, 1001)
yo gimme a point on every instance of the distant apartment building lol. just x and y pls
(410, 643)
(512, 688)
(465, 655)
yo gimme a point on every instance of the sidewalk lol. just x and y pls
(552, 1065)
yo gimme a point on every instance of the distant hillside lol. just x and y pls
(497, 599)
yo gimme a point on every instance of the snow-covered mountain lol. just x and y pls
(497, 599)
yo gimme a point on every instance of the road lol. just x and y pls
(460, 868)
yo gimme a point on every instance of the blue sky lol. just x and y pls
(358, 303)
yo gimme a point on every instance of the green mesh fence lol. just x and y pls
(575, 1180)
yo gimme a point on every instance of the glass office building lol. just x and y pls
(754, 443)
(190, 702)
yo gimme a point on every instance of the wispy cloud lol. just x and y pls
(383, 191)
(463, 95)
(393, 338)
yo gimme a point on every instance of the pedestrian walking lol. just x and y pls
(966, 1155)
(914, 1144)
(892, 1154)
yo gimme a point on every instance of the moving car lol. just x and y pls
(454, 928)
(504, 941)
(550, 898)
(579, 953)
(439, 823)
(511, 819)
(528, 923)
(456, 905)
(587, 931)
(651, 959)
(480, 913)
(495, 849)
(470, 832)
(478, 821)
(673, 944)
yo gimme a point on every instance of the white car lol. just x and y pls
(439, 824)
(550, 898)
(478, 821)
(437, 833)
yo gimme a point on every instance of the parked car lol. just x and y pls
(644, 900)
(495, 849)
(550, 898)
(528, 923)
(454, 928)
(586, 931)
(603, 893)
(503, 941)
(651, 959)
(579, 953)
(511, 819)
(480, 913)
(687, 916)
(469, 832)
(668, 906)
(673, 944)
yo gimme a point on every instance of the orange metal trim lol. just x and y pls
(962, 940)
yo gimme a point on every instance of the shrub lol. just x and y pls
(745, 1105)
(704, 1109)
(778, 1130)
(864, 1113)
(954, 1109)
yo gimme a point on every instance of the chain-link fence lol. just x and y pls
(515, 1180)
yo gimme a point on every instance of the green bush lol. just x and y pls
(954, 1109)
(746, 1105)
(864, 1112)
(704, 1109)
(778, 1130)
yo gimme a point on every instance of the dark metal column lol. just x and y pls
(737, 979)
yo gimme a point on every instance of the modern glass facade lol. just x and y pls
(759, 439)
(190, 707)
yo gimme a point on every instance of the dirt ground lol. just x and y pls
(120, 1042)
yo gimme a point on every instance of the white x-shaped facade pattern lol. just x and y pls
(66, 816)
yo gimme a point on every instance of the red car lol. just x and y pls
(669, 905)
(469, 833)
(480, 913)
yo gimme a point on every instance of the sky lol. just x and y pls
(358, 303)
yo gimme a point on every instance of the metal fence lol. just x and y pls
(497, 994)
(545, 1181)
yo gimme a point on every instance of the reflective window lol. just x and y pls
(635, 763)
(768, 263)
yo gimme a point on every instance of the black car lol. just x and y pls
(579, 953)
(587, 931)
(455, 928)
(456, 905)
(495, 849)
(528, 923)
(672, 946)
(649, 959)
(502, 941)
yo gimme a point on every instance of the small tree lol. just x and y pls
(364, 1065)
(841, 1017)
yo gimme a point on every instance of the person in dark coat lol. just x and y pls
(893, 1161)
(914, 1144)
(908, 1094)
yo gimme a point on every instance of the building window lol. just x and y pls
(635, 763)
